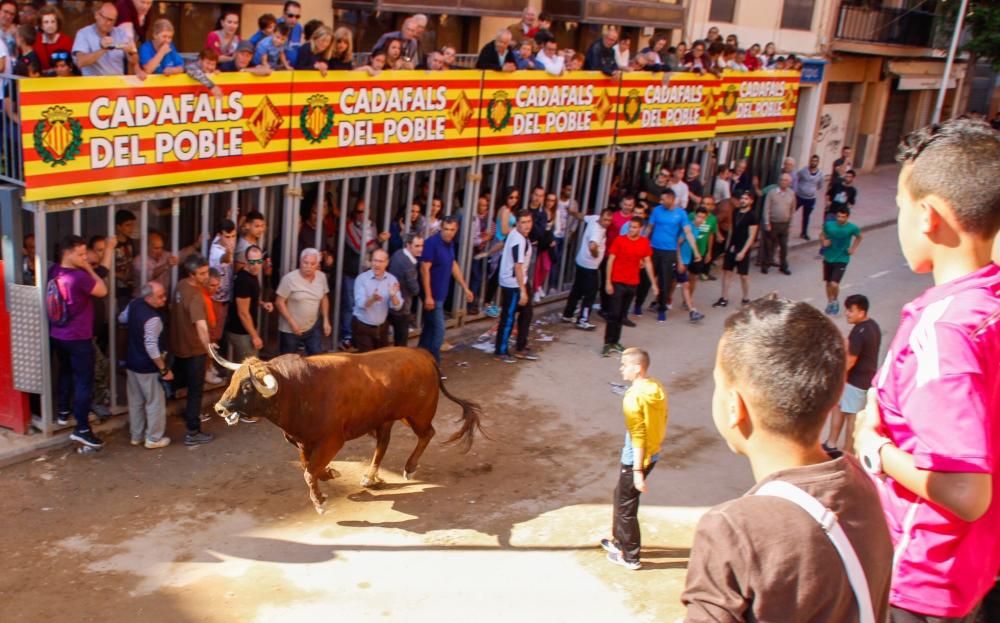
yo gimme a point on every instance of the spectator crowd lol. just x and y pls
(125, 40)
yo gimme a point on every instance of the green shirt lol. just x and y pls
(840, 237)
(704, 232)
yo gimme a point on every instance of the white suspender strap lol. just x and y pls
(827, 520)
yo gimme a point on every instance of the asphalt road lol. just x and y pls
(225, 532)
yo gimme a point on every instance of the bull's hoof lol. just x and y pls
(408, 475)
(372, 481)
(330, 474)
(319, 509)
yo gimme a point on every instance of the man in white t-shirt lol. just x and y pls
(588, 260)
(680, 187)
(302, 301)
(515, 304)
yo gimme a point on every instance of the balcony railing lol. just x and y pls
(886, 25)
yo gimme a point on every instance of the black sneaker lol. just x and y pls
(745, 302)
(195, 439)
(87, 438)
(627, 323)
(62, 419)
(720, 303)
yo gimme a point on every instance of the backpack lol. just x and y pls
(57, 302)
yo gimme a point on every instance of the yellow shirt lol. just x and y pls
(645, 409)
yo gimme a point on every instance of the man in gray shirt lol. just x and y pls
(403, 266)
(102, 48)
(808, 184)
(779, 205)
(375, 292)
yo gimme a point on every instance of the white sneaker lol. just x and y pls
(585, 326)
(162, 443)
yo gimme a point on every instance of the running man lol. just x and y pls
(840, 239)
(742, 235)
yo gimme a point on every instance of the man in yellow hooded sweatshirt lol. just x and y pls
(645, 409)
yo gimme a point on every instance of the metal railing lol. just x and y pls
(910, 27)
(11, 164)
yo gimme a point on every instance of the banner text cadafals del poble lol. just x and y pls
(85, 136)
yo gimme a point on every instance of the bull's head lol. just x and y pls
(249, 379)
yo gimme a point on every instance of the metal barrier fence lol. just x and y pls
(384, 195)
(11, 166)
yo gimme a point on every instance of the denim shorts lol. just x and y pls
(853, 399)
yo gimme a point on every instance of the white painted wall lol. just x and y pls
(759, 21)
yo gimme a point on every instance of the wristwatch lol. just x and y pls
(871, 455)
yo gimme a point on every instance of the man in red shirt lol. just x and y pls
(618, 219)
(626, 256)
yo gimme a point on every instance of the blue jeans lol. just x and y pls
(311, 341)
(346, 306)
(76, 377)
(432, 333)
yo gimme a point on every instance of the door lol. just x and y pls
(892, 127)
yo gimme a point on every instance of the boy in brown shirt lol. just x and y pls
(762, 557)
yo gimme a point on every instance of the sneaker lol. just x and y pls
(836, 307)
(162, 443)
(745, 302)
(785, 271)
(830, 449)
(609, 546)
(472, 309)
(492, 311)
(213, 379)
(626, 322)
(566, 318)
(670, 305)
(505, 358)
(194, 439)
(694, 315)
(135, 442)
(527, 355)
(249, 419)
(583, 325)
(538, 296)
(702, 277)
(443, 377)
(87, 438)
(607, 350)
(661, 317)
(346, 345)
(712, 277)
(62, 419)
(618, 560)
(805, 237)
(618, 347)
(637, 311)
(205, 417)
(720, 303)
(829, 309)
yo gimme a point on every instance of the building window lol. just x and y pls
(722, 11)
(797, 14)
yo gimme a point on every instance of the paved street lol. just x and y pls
(225, 532)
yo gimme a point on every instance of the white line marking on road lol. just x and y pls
(879, 274)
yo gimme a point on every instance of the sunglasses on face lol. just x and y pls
(253, 262)
(293, 15)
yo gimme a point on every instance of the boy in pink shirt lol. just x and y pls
(930, 434)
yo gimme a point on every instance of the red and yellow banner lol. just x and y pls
(657, 107)
(534, 111)
(85, 136)
(351, 119)
(757, 100)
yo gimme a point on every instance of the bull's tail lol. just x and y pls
(471, 413)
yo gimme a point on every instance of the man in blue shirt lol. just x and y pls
(437, 267)
(375, 291)
(667, 224)
(292, 16)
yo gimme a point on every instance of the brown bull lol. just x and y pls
(320, 402)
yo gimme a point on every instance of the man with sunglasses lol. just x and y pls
(293, 16)
(103, 49)
(241, 323)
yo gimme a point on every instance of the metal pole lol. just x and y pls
(175, 234)
(387, 217)
(410, 190)
(320, 191)
(112, 317)
(449, 191)
(143, 243)
(234, 206)
(528, 186)
(341, 240)
(363, 251)
(207, 240)
(936, 118)
(41, 244)
(76, 222)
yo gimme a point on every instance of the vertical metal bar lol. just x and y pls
(528, 186)
(431, 184)
(560, 172)
(206, 226)
(512, 174)
(544, 182)
(410, 189)
(261, 201)
(492, 213)
(636, 167)
(112, 317)
(143, 243)
(585, 207)
(290, 236)
(320, 191)
(449, 191)
(459, 304)
(41, 266)
(175, 234)
(341, 240)
(76, 222)
(362, 259)
(234, 205)
(390, 188)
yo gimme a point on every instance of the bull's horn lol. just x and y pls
(225, 363)
(268, 387)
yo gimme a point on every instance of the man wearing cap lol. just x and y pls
(242, 60)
